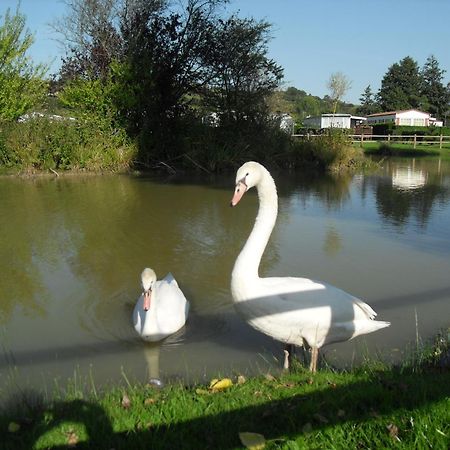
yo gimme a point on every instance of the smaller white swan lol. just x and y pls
(162, 308)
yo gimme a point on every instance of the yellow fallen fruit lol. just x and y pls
(219, 385)
(253, 441)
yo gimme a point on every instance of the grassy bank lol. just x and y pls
(407, 150)
(368, 408)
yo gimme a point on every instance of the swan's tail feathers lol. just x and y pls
(368, 326)
(170, 279)
(371, 314)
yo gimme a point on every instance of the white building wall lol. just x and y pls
(336, 122)
(411, 118)
(385, 118)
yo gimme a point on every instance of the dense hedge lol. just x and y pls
(389, 128)
(43, 144)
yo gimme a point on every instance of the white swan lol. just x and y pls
(162, 309)
(289, 309)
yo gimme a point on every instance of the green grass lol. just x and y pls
(368, 408)
(393, 149)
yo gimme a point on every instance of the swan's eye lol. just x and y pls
(247, 174)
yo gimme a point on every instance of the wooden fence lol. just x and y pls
(389, 138)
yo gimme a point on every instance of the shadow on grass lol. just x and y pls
(382, 394)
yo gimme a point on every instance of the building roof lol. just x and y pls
(338, 115)
(390, 113)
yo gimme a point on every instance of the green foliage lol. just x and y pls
(299, 104)
(390, 128)
(98, 99)
(368, 103)
(43, 144)
(438, 97)
(331, 151)
(240, 74)
(401, 86)
(21, 84)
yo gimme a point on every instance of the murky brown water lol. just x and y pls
(72, 249)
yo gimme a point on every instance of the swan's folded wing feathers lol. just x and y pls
(169, 278)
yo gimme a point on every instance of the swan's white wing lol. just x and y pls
(172, 306)
(169, 278)
(303, 293)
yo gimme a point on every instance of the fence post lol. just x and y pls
(440, 142)
(362, 139)
(415, 140)
(389, 138)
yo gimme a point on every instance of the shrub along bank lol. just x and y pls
(94, 144)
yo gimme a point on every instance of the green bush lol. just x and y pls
(43, 144)
(390, 128)
(332, 150)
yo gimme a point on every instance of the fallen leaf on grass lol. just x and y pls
(269, 377)
(72, 439)
(126, 402)
(393, 431)
(241, 379)
(149, 401)
(220, 385)
(252, 441)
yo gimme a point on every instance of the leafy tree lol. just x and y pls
(401, 86)
(338, 85)
(436, 93)
(158, 66)
(92, 32)
(21, 83)
(368, 103)
(240, 76)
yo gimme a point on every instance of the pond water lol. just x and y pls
(72, 250)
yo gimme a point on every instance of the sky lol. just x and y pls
(310, 39)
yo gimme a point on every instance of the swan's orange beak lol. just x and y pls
(147, 299)
(239, 191)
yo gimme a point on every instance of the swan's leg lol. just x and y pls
(314, 355)
(289, 352)
(286, 358)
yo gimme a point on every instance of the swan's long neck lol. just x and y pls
(247, 263)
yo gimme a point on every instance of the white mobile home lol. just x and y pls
(410, 117)
(333, 121)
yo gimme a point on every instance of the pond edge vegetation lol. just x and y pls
(370, 406)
